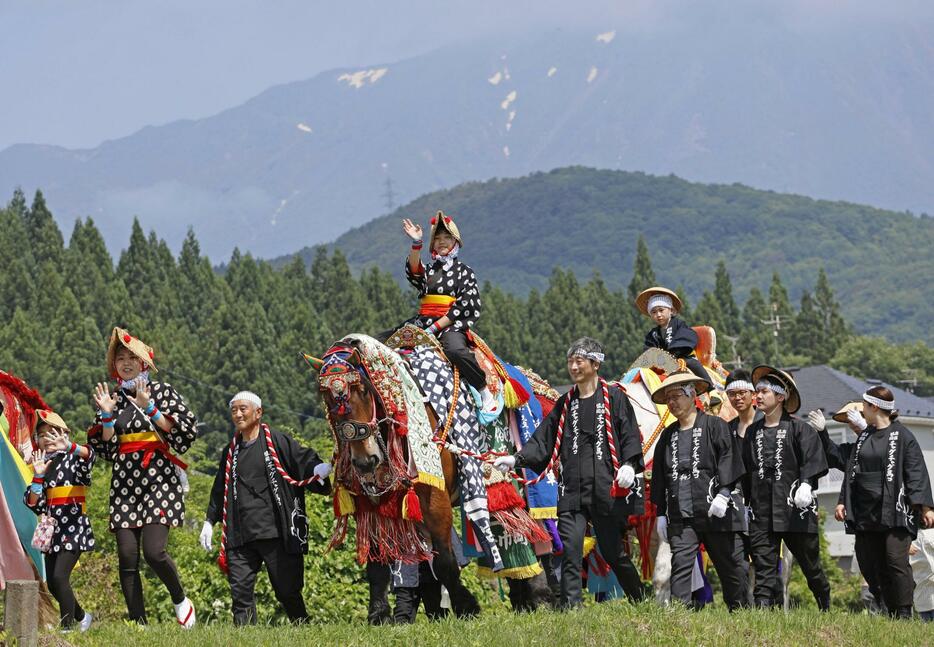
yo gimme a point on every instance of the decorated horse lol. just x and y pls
(409, 444)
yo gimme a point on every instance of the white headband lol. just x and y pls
(659, 300)
(247, 396)
(888, 405)
(765, 384)
(580, 352)
(739, 385)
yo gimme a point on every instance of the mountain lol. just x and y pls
(516, 231)
(838, 111)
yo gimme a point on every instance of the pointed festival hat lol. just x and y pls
(642, 301)
(441, 222)
(840, 416)
(119, 337)
(680, 378)
(44, 416)
(793, 398)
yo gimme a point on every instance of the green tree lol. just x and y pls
(47, 242)
(723, 295)
(833, 330)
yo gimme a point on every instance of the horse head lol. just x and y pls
(352, 410)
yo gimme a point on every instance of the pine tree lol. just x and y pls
(708, 313)
(780, 308)
(75, 360)
(834, 332)
(22, 348)
(723, 294)
(805, 335)
(46, 237)
(643, 276)
(756, 344)
(17, 283)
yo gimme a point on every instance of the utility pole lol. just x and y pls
(737, 361)
(775, 322)
(389, 196)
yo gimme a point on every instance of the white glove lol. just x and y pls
(625, 476)
(718, 506)
(505, 464)
(803, 496)
(322, 470)
(207, 532)
(661, 525)
(816, 419)
(856, 419)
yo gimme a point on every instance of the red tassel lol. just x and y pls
(521, 393)
(618, 492)
(503, 496)
(411, 506)
(222, 563)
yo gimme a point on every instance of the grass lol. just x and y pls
(612, 623)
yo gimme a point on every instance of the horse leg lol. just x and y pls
(436, 514)
(377, 576)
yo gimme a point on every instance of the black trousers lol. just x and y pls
(883, 562)
(608, 531)
(726, 551)
(286, 574)
(153, 537)
(766, 556)
(427, 592)
(455, 347)
(58, 568)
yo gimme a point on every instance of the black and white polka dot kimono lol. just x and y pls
(73, 528)
(145, 487)
(455, 279)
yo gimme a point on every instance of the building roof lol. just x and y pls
(826, 388)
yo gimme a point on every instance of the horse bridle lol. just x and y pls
(337, 376)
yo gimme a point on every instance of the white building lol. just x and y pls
(825, 388)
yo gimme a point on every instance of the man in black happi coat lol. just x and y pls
(265, 521)
(599, 456)
(784, 460)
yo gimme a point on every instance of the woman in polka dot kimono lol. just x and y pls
(449, 298)
(62, 474)
(137, 428)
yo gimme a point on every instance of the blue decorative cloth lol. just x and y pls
(543, 496)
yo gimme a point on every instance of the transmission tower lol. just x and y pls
(389, 196)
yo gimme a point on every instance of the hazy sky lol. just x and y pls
(77, 73)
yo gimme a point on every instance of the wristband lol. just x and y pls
(106, 417)
(434, 328)
(155, 417)
(73, 450)
(35, 488)
(150, 407)
(38, 478)
(109, 423)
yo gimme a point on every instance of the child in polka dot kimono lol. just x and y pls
(58, 489)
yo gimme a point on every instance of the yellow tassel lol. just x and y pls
(510, 399)
(514, 573)
(343, 502)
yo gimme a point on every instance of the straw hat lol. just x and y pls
(44, 416)
(642, 300)
(444, 223)
(793, 398)
(840, 416)
(137, 347)
(678, 379)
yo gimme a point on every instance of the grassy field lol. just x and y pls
(613, 623)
